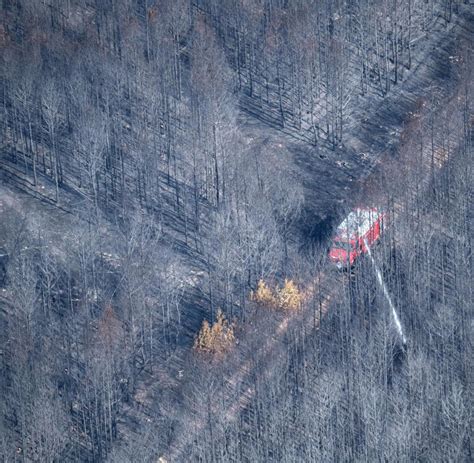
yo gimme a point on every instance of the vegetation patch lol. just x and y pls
(217, 338)
(288, 297)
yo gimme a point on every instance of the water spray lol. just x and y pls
(396, 319)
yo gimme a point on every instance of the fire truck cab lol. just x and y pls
(360, 226)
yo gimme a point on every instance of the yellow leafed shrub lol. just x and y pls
(264, 295)
(288, 297)
(217, 338)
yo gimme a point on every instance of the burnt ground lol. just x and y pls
(331, 179)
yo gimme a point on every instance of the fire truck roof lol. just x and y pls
(357, 223)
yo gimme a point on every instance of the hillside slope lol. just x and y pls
(160, 159)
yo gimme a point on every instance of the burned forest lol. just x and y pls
(236, 231)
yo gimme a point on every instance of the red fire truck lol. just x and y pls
(359, 226)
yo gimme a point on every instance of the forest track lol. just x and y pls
(326, 285)
(266, 355)
(125, 178)
(375, 127)
(325, 289)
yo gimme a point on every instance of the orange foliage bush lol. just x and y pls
(264, 295)
(217, 338)
(288, 297)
